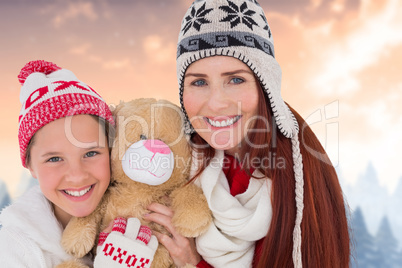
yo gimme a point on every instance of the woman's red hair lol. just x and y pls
(325, 237)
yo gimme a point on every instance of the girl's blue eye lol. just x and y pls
(199, 83)
(54, 159)
(237, 80)
(91, 154)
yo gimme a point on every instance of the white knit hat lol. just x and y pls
(239, 29)
(49, 93)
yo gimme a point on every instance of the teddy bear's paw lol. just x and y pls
(192, 232)
(162, 258)
(72, 264)
(78, 241)
(192, 215)
(188, 266)
(192, 225)
(78, 249)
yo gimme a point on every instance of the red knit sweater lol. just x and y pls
(238, 182)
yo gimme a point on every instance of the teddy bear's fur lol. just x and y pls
(135, 120)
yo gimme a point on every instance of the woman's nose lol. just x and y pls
(218, 98)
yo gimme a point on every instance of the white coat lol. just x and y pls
(30, 234)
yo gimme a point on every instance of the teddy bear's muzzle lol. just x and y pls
(148, 161)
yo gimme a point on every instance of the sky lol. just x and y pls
(340, 60)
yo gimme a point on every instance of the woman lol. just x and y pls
(274, 193)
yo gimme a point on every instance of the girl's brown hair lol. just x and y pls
(325, 237)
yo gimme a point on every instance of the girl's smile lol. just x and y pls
(79, 194)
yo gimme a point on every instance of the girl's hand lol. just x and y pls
(181, 249)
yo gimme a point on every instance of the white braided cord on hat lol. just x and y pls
(299, 191)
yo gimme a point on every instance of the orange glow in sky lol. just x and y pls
(341, 63)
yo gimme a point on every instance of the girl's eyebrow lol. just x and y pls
(50, 154)
(92, 147)
(59, 153)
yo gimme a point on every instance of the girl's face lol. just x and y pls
(221, 100)
(70, 158)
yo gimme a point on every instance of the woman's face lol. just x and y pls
(221, 100)
(70, 159)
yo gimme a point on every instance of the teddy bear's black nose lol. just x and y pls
(143, 137)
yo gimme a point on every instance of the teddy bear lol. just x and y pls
(150, 159)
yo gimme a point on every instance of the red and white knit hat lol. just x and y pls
(48, 93)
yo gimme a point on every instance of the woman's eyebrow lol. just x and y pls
(237, 72)
(195, 74)
(223, 74)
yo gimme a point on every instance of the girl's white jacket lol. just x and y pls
(30, 233)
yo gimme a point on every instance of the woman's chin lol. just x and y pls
(224, 142)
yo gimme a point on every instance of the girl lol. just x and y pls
(274, 193)
(64, 142)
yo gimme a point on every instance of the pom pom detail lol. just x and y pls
(37, 66)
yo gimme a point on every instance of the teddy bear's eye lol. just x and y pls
(143, 137)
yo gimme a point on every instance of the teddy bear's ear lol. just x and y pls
(116, 108)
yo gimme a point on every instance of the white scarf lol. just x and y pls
(239, 221)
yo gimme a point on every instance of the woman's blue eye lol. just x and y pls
(91, 154)
(54, 159)
(199, 83)
(237, 80)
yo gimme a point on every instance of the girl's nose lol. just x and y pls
(76, 172)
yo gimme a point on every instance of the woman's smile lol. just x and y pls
(222, 122)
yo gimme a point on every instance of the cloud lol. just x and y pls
(314, 4)
(370, 131)
(360, 48)
(159, 50)
(117, 64)
(81, 49)
(351, 56)
(72, 11)
(354, 154)
(311, 11)
(338, 5)
(121, 64)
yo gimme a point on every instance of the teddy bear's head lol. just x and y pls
(150, 146)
